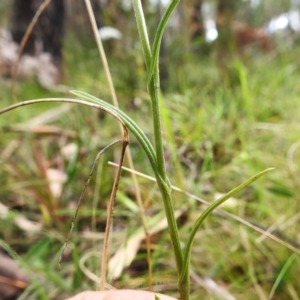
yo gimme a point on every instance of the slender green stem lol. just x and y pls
(172, 220)
(154, 90)
(152, 65)
(163, 184)
(281, 274)
(163, 181)
(158, 37)
(142, 28)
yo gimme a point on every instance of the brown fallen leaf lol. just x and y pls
(127, 252)
(12, 279)
(120, 295)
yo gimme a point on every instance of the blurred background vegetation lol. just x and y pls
(230, 78)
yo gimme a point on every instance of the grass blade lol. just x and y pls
(158, 37)
(283, 271)
(206, 213)
(142, 29)
(130, 124)
(81, 198)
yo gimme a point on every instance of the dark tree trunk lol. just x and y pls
(225, 43)
(78, 21)
(51, 29)
(22, 14)
(48, 32)
(225, 15)
(197, 24)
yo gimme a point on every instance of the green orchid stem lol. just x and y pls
(158, 36)
(142, 28)
(174, 235)
(163, 182)
(154, 90)
(152, 64)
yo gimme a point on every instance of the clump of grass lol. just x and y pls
(223, 250)
(155, 153)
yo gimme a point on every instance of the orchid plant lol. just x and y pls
(154, 153)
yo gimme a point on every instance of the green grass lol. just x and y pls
(225, 130)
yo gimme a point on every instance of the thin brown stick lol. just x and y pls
(110, 209)
(128, 153)
(22, 45)
(81, 198)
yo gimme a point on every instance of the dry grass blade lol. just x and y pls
(290, 156)
(41, 130)
(110, 213)
(212, 287)
(120, 295)
(124, 141)
(87, 271)
(251, 269)
(81, 197)
(224, 213)
(127, 252)
(21, 221)
(128, 153)
(49, 116)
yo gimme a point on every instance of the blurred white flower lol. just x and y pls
(108, 33)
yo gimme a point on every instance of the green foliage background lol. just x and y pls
(225, 125)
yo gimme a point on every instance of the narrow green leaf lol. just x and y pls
(282, 273)
(142, 29)
(130, 124)
(38, 251)
(158, 37)
(207, 212)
